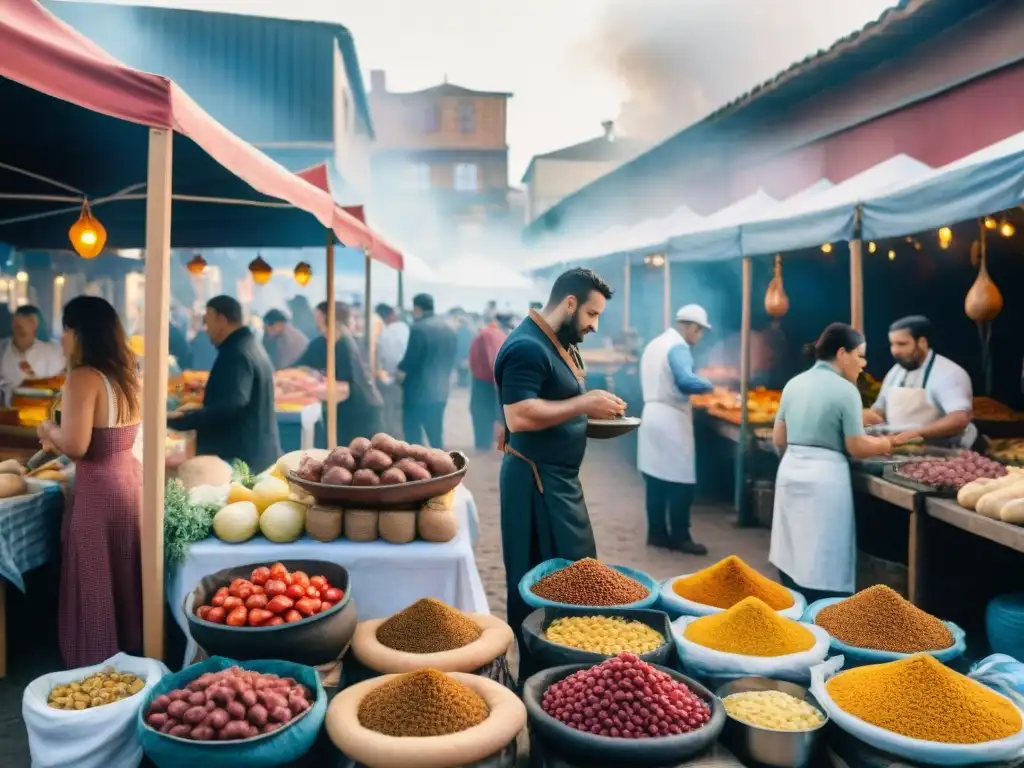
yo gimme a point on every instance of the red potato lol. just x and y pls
(296, 592)
(216, 615)
(277, 570)
(236, 711)
(210, 705)
(257, 601)
(178, 695)
(260, 575)
(275, 587)
(271, 727)
(319, 582)
(280, 604)
(237, 617)
(272, 700)
(259, 616)
(202, 733)
(218, 718)
(248, 698)
(236, 729)
(292, 616)
(223, 695)
(202, 611)
(157, 720)
(333, 595)
(177, 709)
(275, 621)
(258, 715)
(159, 704)
(297, 704)
(257, 589)
(195, 715)
(281, 714)
(197, 699)
(232, 602)
(181, 731)
(166, 727)
(219, 597)
(299, 577)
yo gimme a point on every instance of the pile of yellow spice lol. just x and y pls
(750, 628)
(729, 581)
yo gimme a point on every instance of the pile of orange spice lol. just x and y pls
(729, 581)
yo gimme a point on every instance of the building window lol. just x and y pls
(467, 117)
(431, 119)
(420, 177)
(467, 177)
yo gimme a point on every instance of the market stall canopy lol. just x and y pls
(652, 233)
(987, 181)
(825, 215)
(58, 154)
(717, 237)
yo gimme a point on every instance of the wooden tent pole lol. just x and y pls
(332, 336)
(154, 394)
(739, 480)
(368, 314)
(401, 291)
(857, 276)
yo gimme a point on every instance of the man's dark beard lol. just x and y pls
(911, 365)
(568, 332)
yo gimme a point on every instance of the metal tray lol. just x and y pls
(896, 478)
(877, 464)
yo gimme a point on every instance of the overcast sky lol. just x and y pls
(656, 64)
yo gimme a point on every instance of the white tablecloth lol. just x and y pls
(385, 577)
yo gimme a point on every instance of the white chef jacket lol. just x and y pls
(665, 446)
(43, 359)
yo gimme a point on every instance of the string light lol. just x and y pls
(657, 260)
(59, 280)
(826, 248)
(945, 237)
(990, 223)
(260, 271)
(892, 255)
(872, 247)
(1006, 229)
(303, 273)
(22, 276)
(196, 265)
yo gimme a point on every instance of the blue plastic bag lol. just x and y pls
(860, 656)
(266, 751)
(1003, 674)
(1004, 624)
(558, 563)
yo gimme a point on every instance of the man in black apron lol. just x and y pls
(539, 375)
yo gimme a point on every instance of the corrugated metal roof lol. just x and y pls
(268, 80)
(890, 37)
(447, 89)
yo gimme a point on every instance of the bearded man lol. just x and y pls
(545, 404)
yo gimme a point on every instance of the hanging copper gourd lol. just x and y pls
(984, 301)
(196, 265)
(776, 303)
(303, 273)
(260, 271)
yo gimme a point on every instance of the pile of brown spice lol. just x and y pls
(920, 698)
(428, 626)
(422, 703)
(750, 628)
(880, 619)
(729, 581)
(590, 582)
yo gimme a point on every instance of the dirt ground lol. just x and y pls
(614, 492)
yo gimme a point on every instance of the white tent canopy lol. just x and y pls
(717, 237)
(987, 181)
(827, 215)
(652, 233)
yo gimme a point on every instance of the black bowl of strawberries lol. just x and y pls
(296, 610)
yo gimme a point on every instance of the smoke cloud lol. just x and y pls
(681, 59)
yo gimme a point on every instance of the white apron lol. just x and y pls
(665, 446)
(908, 408)
(813, 531)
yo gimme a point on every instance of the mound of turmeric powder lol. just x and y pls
(920, 698)
(750, 628)
(729, 581)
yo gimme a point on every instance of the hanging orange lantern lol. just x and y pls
(260, 271)
(196, 265)
(87, 235)
(776, 303)
(303, 273)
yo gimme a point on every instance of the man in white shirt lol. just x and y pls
(24, 356)
(391, 345)
(924, 392)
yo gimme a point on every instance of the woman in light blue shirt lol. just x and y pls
(819, 424)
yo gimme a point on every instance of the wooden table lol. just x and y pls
(951, 513)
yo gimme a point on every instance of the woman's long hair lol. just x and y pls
(101, 343)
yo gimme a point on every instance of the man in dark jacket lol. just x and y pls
(237, 419)
(427, 365)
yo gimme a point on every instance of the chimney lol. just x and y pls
(378, 81)
(609, 129)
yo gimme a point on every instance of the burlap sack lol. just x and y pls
(398, 527)
(437, 525)
(324, 523)
(361, 524)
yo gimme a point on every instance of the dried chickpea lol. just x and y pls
(606, 635)
(773, 710)
(103, 687)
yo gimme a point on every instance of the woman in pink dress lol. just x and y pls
(100, 579)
